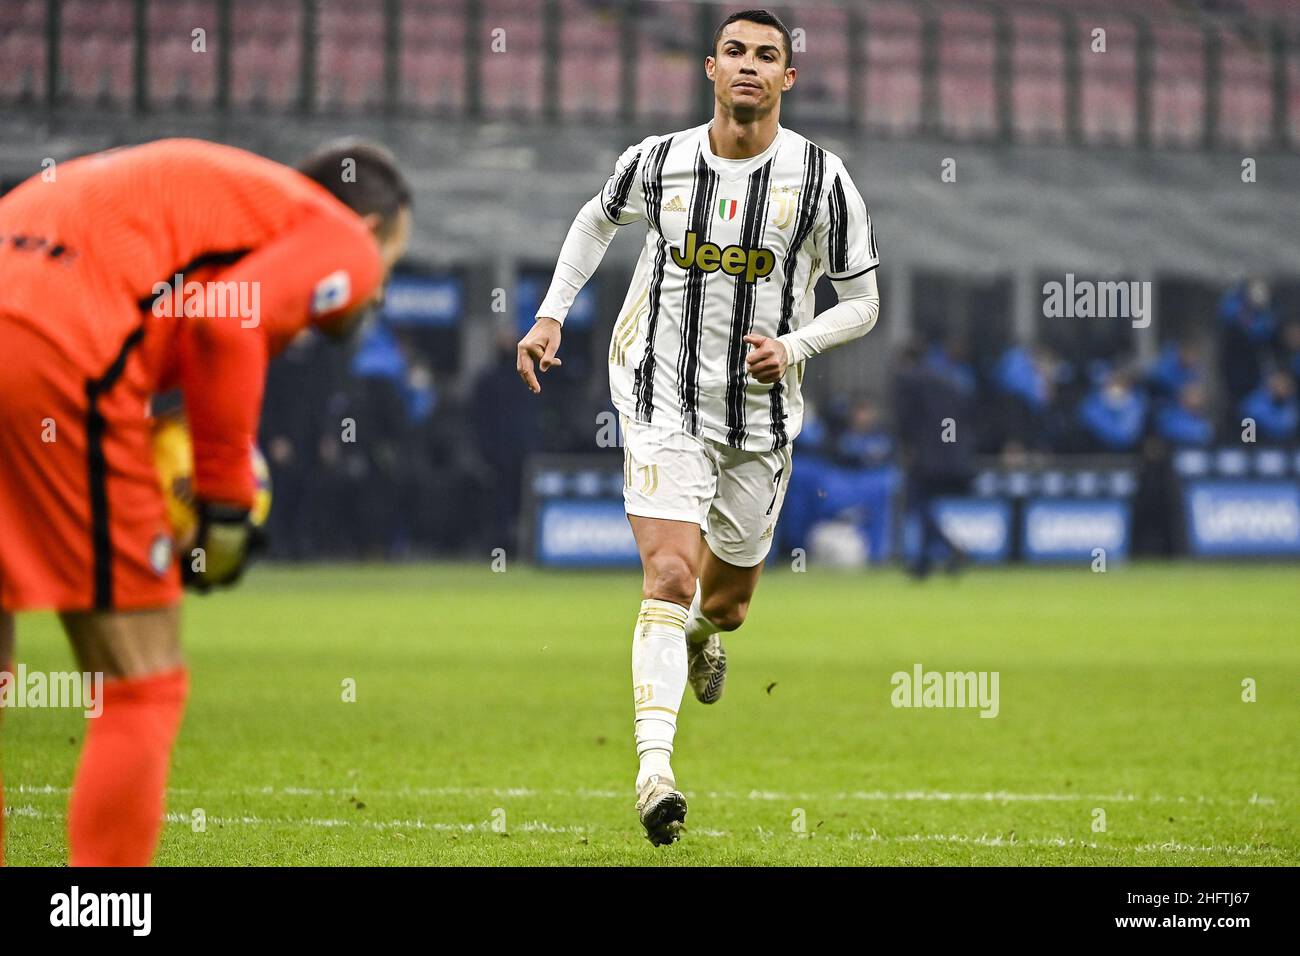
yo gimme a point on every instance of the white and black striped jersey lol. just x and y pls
(732, 247)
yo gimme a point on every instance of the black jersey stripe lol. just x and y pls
(617, 201)
(809, 201)
(855, 275)
(838, 236)
(643, 380)
(222, 258)
(743, 302)
(699, 219)
(652, 184)
(96, 425)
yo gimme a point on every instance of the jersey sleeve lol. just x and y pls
(622, 199)
(322, 268)
(221, 367)
(844, 236)
(583, 249)
(620, 203)
(309, 276)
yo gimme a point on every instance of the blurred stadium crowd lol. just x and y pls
(1031, 398)
(437, 469)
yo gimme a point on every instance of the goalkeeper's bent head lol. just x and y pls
(366, 178)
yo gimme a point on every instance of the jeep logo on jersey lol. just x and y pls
(753, 264)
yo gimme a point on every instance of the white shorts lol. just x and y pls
(735, 496)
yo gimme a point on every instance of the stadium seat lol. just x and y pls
(1293, 101)
(23, 15)
(967, 59)
(264, 75)
(1109, 93)
(22, 66)
(894, 69)
(349, 56)
(1038, 84)
(1245, 105)
(1178, 87)
(432, 58)
(825, 93)
(590, 67)
(512, 80)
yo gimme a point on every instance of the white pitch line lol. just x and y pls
(528, 826)
(485, 826)
(541, 826)
(990, 796)
(903, 796)
(1064, 842)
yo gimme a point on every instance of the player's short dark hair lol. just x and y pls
(378, 185)
(762, 17)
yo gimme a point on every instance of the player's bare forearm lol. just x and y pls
(538, 346)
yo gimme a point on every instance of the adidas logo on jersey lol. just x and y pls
(674, 205)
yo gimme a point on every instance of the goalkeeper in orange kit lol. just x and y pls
(178, 263)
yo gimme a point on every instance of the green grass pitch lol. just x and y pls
(490, 702)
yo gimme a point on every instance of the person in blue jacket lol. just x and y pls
(1178, 364)
(1184, 424)
(1274, 409)
(1114, 414)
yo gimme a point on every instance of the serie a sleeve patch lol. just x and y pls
(331, 293)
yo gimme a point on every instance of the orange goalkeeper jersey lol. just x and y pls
(85, 247)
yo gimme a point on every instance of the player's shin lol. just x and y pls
(6, 676)
(658, 681)
(119, 795)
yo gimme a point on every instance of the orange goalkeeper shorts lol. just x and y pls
(82, 520)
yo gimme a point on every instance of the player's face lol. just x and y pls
(393, 238)
(392, 246)
(748, 71)
(393, 241)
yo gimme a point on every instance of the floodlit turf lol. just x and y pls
(501, 701)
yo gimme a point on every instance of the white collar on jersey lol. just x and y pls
(733, 169)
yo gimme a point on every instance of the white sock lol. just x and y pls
(658, 682)
(698, 627)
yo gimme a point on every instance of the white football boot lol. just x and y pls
(662, 809)
(706, 664)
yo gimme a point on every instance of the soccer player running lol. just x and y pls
(706, 361)
(87, 339)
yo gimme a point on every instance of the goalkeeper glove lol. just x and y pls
(226, 542)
